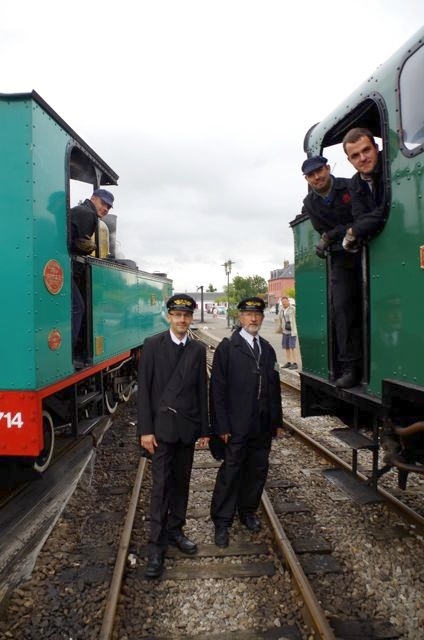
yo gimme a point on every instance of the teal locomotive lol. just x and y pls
(43, 164)
(387, 404)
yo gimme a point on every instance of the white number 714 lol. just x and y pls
(12, 421)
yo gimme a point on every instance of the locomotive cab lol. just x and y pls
(387, 404)
(46, 168)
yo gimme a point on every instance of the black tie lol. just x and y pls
(180, 350)
(256, 348)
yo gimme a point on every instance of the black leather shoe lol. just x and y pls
(184, 544)
(221, 536)
(346, 380)
(251, 522)
(154, 565)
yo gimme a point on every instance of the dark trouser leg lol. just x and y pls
(159, 499)
(346, 307)
(78, 310)
(180, 484)
(225, 494)
(254, 474)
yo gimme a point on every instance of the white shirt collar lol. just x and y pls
(249, 338)
(176, 340)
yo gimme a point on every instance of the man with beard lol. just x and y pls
(328, 205)
(245, 411)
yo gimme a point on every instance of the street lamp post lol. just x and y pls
(202, 317)
(227, 266)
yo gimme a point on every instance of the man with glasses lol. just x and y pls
(245, 411)
(328, 205)
(172, 415)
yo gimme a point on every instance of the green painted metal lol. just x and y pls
(32, 170)
(128, 306)
(396, 275)
(33, 187)
(311, 300)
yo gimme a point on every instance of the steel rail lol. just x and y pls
(118, 573)
(402, 509)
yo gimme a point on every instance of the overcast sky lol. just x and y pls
(201, 107)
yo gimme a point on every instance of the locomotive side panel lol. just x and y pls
(311, 299)
(397, 277)
(31, 173)
(52, 277)
(128, 306)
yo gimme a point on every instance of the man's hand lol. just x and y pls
(149, 443)
(203, 442)
(85, 246)
(322, 246)
(350, 242)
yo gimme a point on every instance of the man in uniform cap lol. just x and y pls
(84, 222)
(172, 415)
(328, 205)
(245, 409)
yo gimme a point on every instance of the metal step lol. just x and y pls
(357, 490)
(354, 439)
(84, 426)
(87, 398)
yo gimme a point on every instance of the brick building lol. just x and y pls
(280, 282)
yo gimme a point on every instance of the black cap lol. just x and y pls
(312, 164)
(251, 304)
(181, 302)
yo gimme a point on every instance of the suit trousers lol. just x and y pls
(346, 306)
(241, 477)
(171, 471)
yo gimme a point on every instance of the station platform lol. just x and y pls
(218, 327)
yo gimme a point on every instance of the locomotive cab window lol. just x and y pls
(411, 109)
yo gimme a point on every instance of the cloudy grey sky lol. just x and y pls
(201, 107)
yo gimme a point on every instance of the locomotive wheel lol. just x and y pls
(43, 460)
(110, 403)
(127, 395)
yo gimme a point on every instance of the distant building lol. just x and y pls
(280, 282)
(209, 299)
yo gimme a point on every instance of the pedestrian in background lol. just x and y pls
(245, 410)
(172, 415)
(289, 330)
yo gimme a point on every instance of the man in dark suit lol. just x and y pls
(245, 407)
(328, 205)
(367, 188)
(172, 415)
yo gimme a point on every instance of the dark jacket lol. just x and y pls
(332, 215)
(369, 208)
(84, 222)
(158, 389)
(234, 403)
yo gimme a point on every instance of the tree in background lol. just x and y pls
(211, 288)
(290, 293)
(251, 286)
(243, 288)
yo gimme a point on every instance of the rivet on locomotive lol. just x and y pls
(46, 388)
(386, 402)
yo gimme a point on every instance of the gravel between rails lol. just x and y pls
(384, 575)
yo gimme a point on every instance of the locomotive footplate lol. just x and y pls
(353, 406)
(356, 409)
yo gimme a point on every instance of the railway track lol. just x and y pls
(89, 581)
